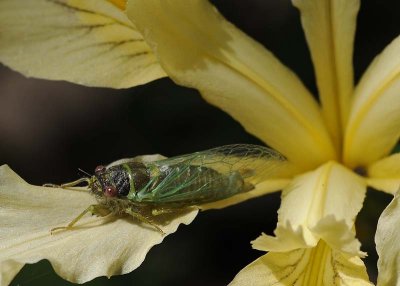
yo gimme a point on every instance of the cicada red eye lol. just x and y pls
(110, 191)
(100, 169)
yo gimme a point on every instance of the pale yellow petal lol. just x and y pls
(95, 247)
(338, 235)
(387, 240)
(8, 272)
(198, 48)
(312, 266)
(335, 233)
(321, 204)
(330, 27)
(384, 175)
(286, 239)
(88, 42)
(374, 124)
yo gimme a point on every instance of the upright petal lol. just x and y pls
(88, 42)
(198, 48)
(330, 27)
(384, 175)
(320, 265)
(95, 247)
(321, 204)
(374, 124)
(387, 241)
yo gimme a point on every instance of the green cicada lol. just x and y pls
(147, 189)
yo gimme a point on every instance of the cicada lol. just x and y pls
(147, 189)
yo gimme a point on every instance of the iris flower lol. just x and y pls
(337, 146)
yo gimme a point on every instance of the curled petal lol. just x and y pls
(286, 239)
(86, 42)
(198, 48)
(94, 247)
(321, 204)
(334, 233)
(374, 123)
(387, 240)
(320, 265)
(384, 174)
(338, 235)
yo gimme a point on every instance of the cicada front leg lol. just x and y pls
(98, 210)
(69, 185)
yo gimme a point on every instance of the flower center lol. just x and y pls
(361, 170)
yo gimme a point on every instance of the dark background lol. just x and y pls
(49, 129)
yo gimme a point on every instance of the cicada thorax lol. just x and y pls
(125, 178)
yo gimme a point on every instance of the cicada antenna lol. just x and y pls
(84, 172)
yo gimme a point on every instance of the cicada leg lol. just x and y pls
(143, 219)
(69, 184)
(162, 211)
(93, 209)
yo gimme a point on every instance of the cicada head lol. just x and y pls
(102, 185)
(110, 182)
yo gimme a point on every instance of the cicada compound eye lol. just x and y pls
(100, 169)
(110, 191)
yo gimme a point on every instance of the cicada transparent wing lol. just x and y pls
(144, 189)
(208, 176)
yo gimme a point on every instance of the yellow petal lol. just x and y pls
(374, 123)
(198, 48)
(321, 204)
(320, 265)
(86, 42)
(121, 4)
(387, 240)
(330, 27)
(384, 175)
(95, 247)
